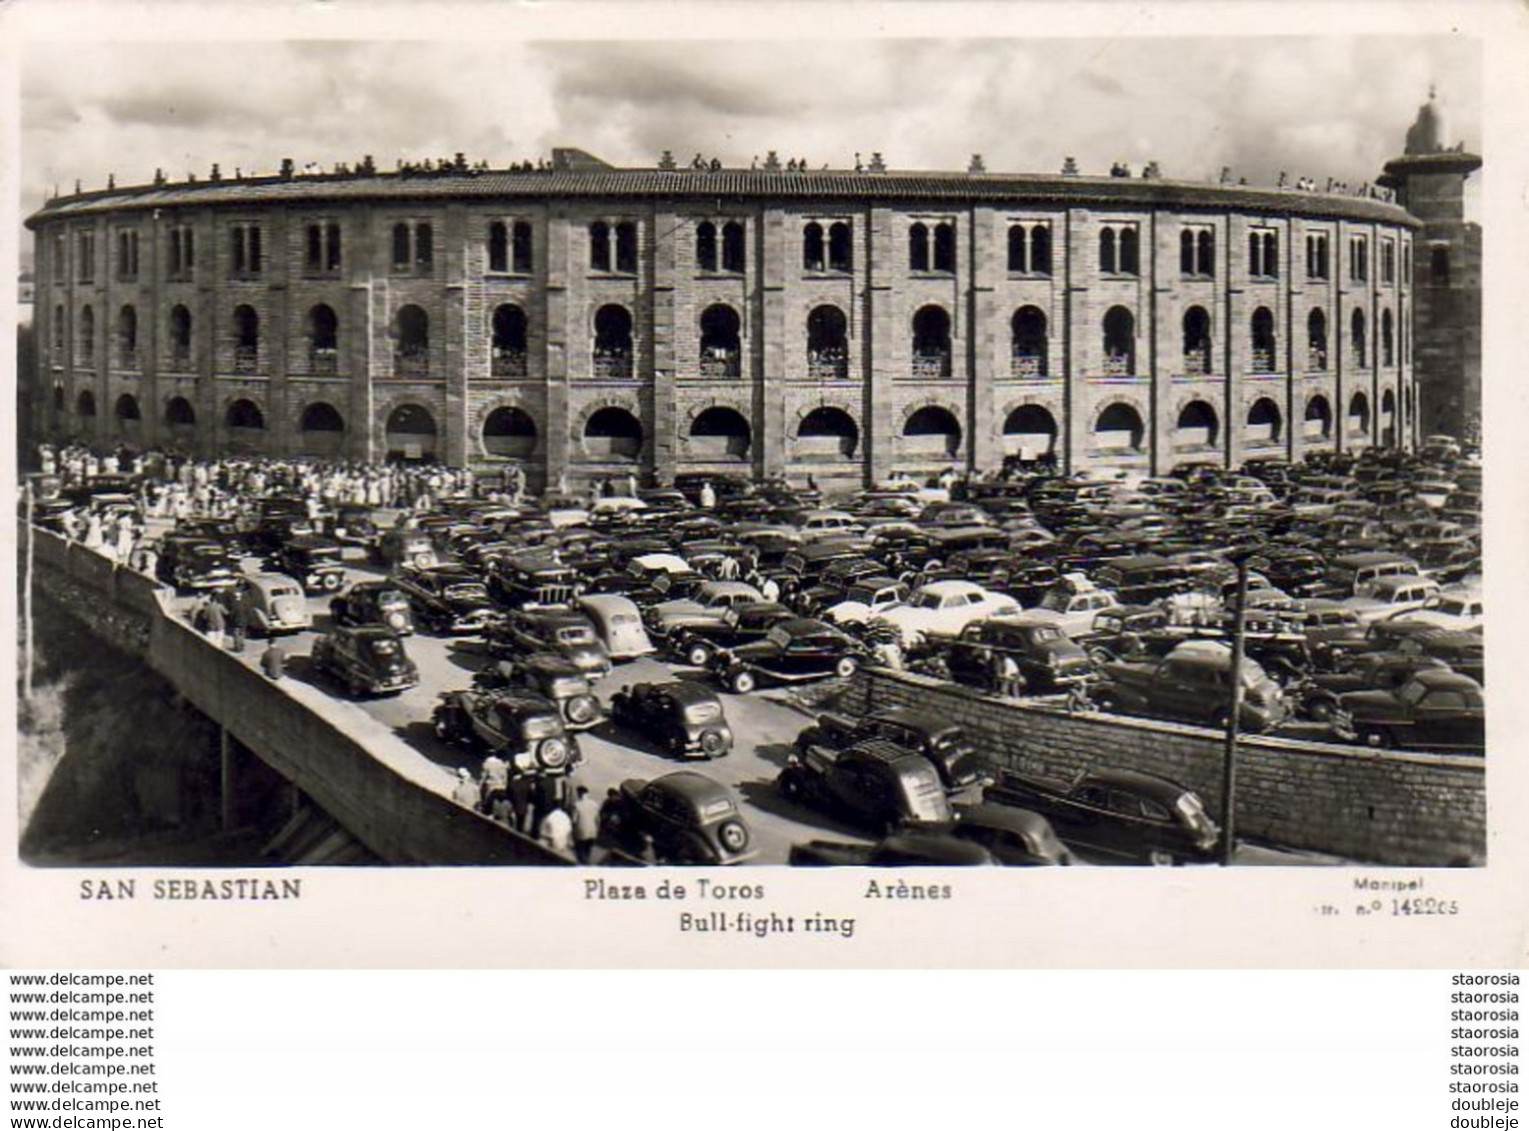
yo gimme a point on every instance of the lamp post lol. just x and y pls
(1233, 716)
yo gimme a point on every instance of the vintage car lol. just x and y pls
(374, 602)
(559, 679)
(411, 548)
(684, 717)
(1434, 710)
(1117, 813)
(367, 660)
(314, 560)
(1360, 671)
(560, 631)
(679, 818)
(943, 742)
(1143, 578)
(943, 609)
(1387, 597)
(792, 651)
(901, 850)
(618, 622)
(354, 526)
(1462, 651)
(698, 643)
(533, 579)
(189, 562)
(522, 727)
(271, 604)
(1047, 658)
(271, 530)
(875, 785)
(1192, 683)
(1458, 609)
(447, 599)
(708, 602)
(867, 598)
(1073, 602)
(1013, 836)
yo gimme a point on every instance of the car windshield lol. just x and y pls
(703, 712)
(620, 620)
(778, 636)
(717, 807)
(576, 634)
(1414, 691)
(285, 591)
(384, 646)
(932, 601)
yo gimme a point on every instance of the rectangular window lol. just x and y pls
(87, 272)
(1316, 256)
(1197, 252)
(127, 255)
(626, 248)
(322, 248)
(332, 246)
(1263, 253)
(182, 253)
(1358, 259)
(1388, 261)
(245, 251)
(60, 259)
(424, 247)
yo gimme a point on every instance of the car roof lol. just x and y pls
(1159, 788)
(1009, 817)
(940, 847)
(1446, 678)
(607, 602)
(369, 632)
(686, 691)
(880, 750)
(949, 585)
(694, 787)
(550, 663)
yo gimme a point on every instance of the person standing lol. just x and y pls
(494, 779)
(708, 496)
(586, 824)
(465, 791)
(216, 621)
(556, 829)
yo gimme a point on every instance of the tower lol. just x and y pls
(1446, 276)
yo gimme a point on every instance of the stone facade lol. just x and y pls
(843, 325)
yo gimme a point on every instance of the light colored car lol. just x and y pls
(1453, 608)
(1072, 606)
(711, 600)
(944, 608)
(618, 622)
(1385, 597)
(272, 603)
(814, 525)
(867, 598)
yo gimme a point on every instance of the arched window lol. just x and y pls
(733, 255)
(720, 434)
(1318, 421)
(721, 347)
(931, 342)
(85, 404)
(1119, 429)
(410, 433)
(827, 344)
(1205, 252)
(521, 260)
(1316, 339)
(321, 430)
(613, 343)
(945, 247)
(841, 256)
(179, 413)
(244, 414)
(1357, 338)
(1018, 260)
(706, 246)
(508, 353)
(323, 340)
(599, 246)
(613, 434)
(1197, 427)
(127, 410)
(1119, 342)
(246, 339)
(1271, 255)
(87, 334)
(918, 248)
(1265, 346)
(1359, 415)
(1186, 252)
(1040, 249)
(626, 247)
(180, 338)
(1107, 262)
(509, 433)
(1264, 422)
(813, 255)
(411, 342)
(1387, 339)
(1388, 418)
(1028, 346)
(1197, 343)
(1130, 251)
(932, 432)
(1029, 432)
(58, 328)
(827, 434)
(127, 338)
(498, 246)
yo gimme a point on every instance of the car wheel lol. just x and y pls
(1320, 710)
(697, 655)
(712, 744)
(330, 582)
(845, 667)
(1160, 859)
(733, 835)
(743, 682)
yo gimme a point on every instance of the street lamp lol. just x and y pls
(1240, 559)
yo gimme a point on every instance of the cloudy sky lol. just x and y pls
(1320, 107)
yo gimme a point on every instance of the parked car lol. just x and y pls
(696, 644)
(367, 660)
(1391, 596)
(874, 784)
(1048, 660)
(411, 548)
(354, 526)
(943, 742)
(523, 727)
(618, 623)
(559, 679)
(679, 818)
(1435, 710)
(314, 560)
(943, 609)
(1191, 684)
(534, 579)
(559, 631)
(1360, 671)
(374, 602)
(1119, 813)
(1013, 836)
(865, 599)
(272, 604)
(902, 850)
(683, 716)
(792, 651)
(708, 602)
(447, 599)
(1074, 601)
(189, 562)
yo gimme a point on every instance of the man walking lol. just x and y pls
(586, 824)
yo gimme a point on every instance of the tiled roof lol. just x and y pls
(826, 186)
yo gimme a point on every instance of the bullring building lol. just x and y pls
(588, 320)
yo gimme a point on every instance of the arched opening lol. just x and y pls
(1017, 248)
(1205, 253)
(509, 433)
(1357, 338)
(1197, 427)
(841, 255)
(508, 358)
(322, 430)
(129, 419)
(1265, 346)
(1359, 415)
(918, 248)
(706, 246)
(1130, 252)
(1318, 422)
(599, 246)
(411, 342)
(931, 342)
(180, 338)
(85, 404)
(1029, 432)
(1119, 429)
(721, 347)
(498, 247)
(827, 344)
(1186, 252)
(127, 338)
(733, 257)
(1388, 418)
(1263, 424)
(827, 433)
(720, 433)
(945, 247)
(246, 426)
(932, 432)
(613, 343)
(410, 434)
(814, 257)
(1027, 343)
(1387, 339)
(1316, 340)
(179, 413)
(1040, 250)
(613, 434)
(246, 339)
(1197, 344)
(323, 340)
(1119, 342)
(1107, 263)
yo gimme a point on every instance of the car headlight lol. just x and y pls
(553, 754)
(582, 708)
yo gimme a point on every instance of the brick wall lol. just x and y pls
(1376, 806)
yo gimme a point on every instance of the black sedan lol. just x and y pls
(374, 602)
(792, 651)
(447, 599)
(697, 643)
(679, 818)
(1435, 710)
(685, 717)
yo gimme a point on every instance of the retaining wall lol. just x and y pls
(1383, 806)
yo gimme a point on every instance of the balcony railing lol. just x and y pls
(1027, 365)
(1197, 362)
(411, 363)
(828, 365)
(1316, 358)
(508, 363)
(927, 366)
(180, 360)
(127, 358)
(1118, 365)
(246, 359)
(726, 364)
(612, 367)
(324, 362)
(1263, 361)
